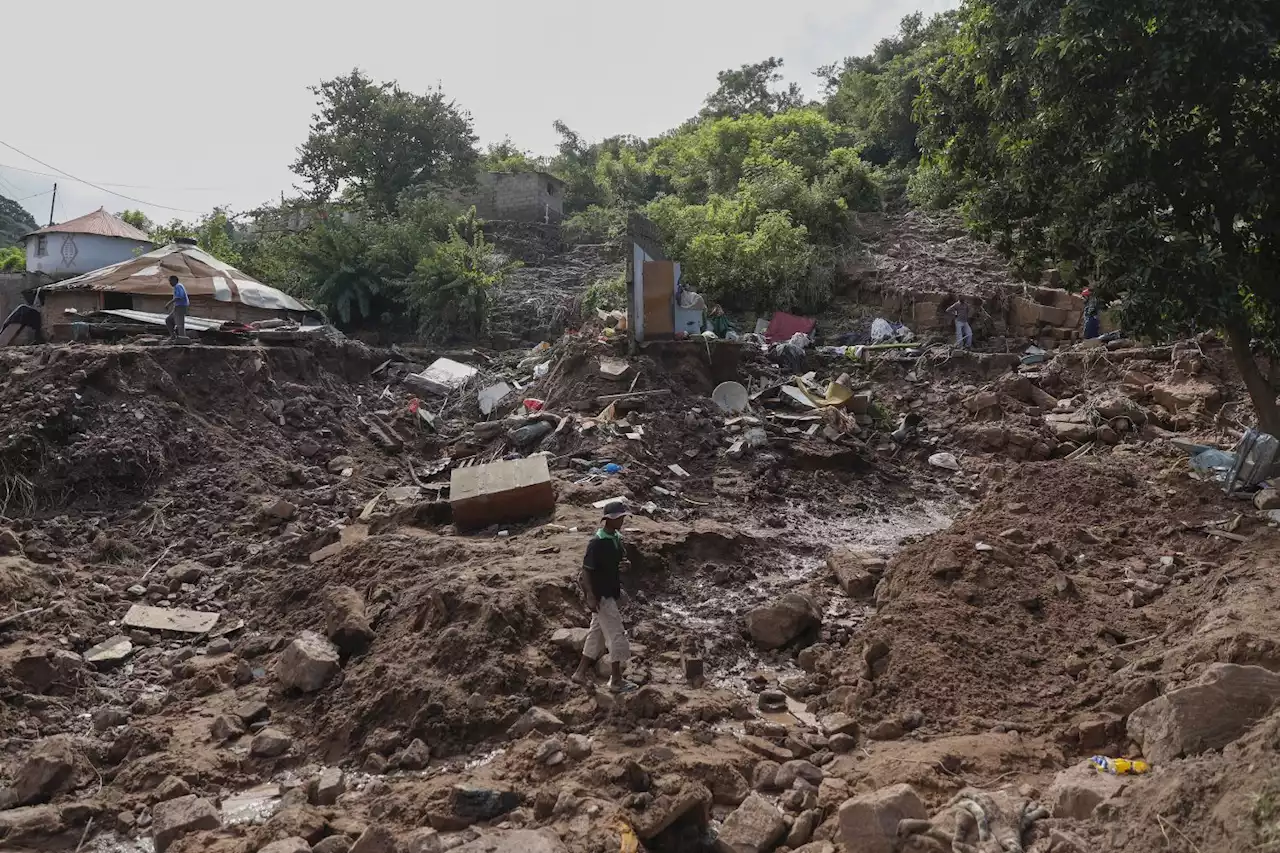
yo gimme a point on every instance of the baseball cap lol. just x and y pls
(617, 509)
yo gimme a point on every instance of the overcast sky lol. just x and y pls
(192, 105)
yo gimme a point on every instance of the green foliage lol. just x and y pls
(874, 95)
(609, 294)
(378, 140)
(13, 259)
(15, 221)
(595, 225)
(504, 156)
(752, 89)
(215, 233)
(1137, 139)
(449, 292)
(137, 219)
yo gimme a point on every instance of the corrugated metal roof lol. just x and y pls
(99, 222)
(201, 274)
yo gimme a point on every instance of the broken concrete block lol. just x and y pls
(174, 818)
(1227, 701)
(308, 663)
(1078, 790)
(330, 785)
(501, 492)
(839, 723)
(109, 652)
(869, 823)
(346, 621)
(444, 375)
(169, 619)
(754, 826)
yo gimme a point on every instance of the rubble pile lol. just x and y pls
(322, 598)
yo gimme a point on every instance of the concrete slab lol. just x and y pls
(501, 492)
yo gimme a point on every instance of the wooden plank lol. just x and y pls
(169, 619)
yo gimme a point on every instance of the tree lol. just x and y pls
(15, 221)
(381, 140)
(214, 233)
(1137, 140)
(12, 259)
(751, 89)
(504, 156)
(137, 219)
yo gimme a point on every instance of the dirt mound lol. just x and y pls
(1021, 612)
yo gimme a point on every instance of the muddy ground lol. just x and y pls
(862, 618)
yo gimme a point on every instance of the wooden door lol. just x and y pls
(659, 299)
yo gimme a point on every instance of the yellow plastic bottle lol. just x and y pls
(1119, 766)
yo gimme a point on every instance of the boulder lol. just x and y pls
(339, 844)
(853, 571)
(515, 841)
(51, 767)
(982, 401)
(174, 818)
(839, 723)
(346, 622)
(472, 804)
(29, 822)
(338, 464)
(1226, 702)
(47, 671)
(756, 826)
(287, 845)
(783, 622)
(886, 730)
(376, 839)
(802, 830)
(578, 747)
(869, 823)
(308, 663)
(1070, 427)
(764, 775)
(1267, 499)
(1078, 790)
(691, 801)
(537, 720)
(225, 727)
(424, 840)
(1192, 395)
(570, 639)
(270, 743)
(415, 756)
(330, 785)
(295, 821)
(280, 509)
(792, 770)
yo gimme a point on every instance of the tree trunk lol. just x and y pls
(1260, 390)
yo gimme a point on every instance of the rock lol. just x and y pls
(690, 802)
(270, 743)
(1267, 499)
(515, 841)
(869, 823)
(783, 622)
(253, 711)
(172, 787)
(792, 770)
(415, 756)
(336, 844)
(771, 700)
(1194, 395)
(549, 750)
(577, 747)
(188, 571)
(308, 663)
(913, 719)
(374, 764)
(839, 723)
(9, 542)
(537, 720)
(51, 767)
(346, 622)
(425, 840)
(338, 464)
(1077, 791)
(225, 727)
(853, 570)
(802, 829)
(109, 718)
(1133, 694)
(817, 847)
(755, 826)
(764, 776)
(376, 839)
(30, 822)
(842, 743)
(474, 804)
(47, 671)
(330, 785)
(570, 639)
(886, 730)
(1226, 702)
(982, 401)
(109, 652)
(280, 509)
(1072, 427)
(292, 844)
(174, 818)
(766, 749)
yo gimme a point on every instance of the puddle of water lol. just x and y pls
(252, 806)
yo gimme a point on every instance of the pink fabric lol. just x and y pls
(784, 325)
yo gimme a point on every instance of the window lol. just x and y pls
(42, 246)
(112, 301)
(551, 188)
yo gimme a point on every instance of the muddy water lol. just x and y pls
(713, 613)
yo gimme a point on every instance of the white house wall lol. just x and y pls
(76, 254)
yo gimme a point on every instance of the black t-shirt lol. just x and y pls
(604, 555)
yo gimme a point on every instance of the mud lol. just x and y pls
(1022, 601)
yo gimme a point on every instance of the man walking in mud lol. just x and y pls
(601, 583)
(176, 322)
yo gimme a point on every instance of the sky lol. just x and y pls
(185, 106)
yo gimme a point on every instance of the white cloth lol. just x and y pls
(607, 632)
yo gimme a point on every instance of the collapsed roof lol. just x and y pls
(201, 274)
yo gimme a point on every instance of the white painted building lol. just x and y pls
(84, 244)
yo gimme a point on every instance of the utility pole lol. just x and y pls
(53, 202)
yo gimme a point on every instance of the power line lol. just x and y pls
(96, 186)
(34, 195)
(123, 186)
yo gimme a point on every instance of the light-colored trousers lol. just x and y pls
(964, 334)
(607, 632)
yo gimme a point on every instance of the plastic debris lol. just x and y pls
(1118, 766)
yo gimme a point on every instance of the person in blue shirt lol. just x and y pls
(176, 322)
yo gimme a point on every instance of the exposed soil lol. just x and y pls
(1000, 624)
